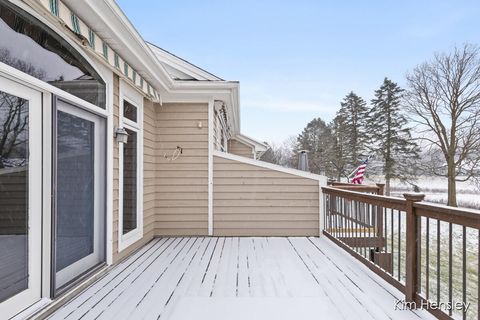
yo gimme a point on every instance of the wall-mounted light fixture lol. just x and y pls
(121, 135)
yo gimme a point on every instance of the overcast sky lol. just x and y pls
(296, 60)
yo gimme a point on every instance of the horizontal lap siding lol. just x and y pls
(149, 169)
(181, 185)
(240, 149)
(116, 190)
(253, 201)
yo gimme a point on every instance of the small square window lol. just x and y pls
(129, 111)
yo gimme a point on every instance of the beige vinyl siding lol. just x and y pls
(249, 200)
(13, 203)
(240, 149)
(116, 201)
(181, 204)
(149, 169)
(148, 176)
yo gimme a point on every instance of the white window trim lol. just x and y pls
(129, 94)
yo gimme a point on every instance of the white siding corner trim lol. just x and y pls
(210, 166)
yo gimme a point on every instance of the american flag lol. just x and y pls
(360, 173)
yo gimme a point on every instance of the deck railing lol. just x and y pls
(428, 251)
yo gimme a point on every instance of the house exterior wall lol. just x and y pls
(240, 149)
(251, 200)
(181, 204)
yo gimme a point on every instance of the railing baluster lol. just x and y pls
(343, 217)
(399, 259)
(411, 246)
(419, 254)
(370, 255)
(464, 270)
(352, 220)
(391, 240)
(438, 261)
(356, 226)
(385, 226)
(450, 266)
(364, 212)
(427, 264)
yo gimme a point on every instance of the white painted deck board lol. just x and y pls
(238, 278)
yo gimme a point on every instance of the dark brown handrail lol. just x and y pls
(465, 217)
(384, 201)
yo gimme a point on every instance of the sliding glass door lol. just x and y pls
(20, 196)
(79, 188)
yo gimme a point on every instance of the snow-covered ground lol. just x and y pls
(435, 189)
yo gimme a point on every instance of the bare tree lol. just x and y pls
(281, 154)
(14, 112)
(444, 99)
(17, 63)
(13, 123)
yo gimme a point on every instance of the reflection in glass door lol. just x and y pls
(79, 192)
(20, 197)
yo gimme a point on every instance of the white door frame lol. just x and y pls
(48, 91)
(24, 299)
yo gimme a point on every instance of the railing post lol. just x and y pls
(379, 216)
(381, 188)
(411, 246)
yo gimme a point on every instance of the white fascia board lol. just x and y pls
(107, 19)
(211, 85)
(182, 65)
(235, 109)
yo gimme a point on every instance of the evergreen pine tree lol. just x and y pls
(352, 126)
(317, 138)
(391, 139)
(338, 153)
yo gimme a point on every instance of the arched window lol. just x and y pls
(31, 47)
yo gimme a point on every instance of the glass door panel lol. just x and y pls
(20, 197)
(80, 213)
(75, 188)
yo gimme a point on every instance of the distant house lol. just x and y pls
(107, 141)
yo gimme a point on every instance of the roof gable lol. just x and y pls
(181, 69)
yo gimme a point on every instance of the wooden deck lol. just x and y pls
(238, 278)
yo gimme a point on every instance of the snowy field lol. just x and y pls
(435, 189)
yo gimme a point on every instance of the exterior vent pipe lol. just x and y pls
(303, 160)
